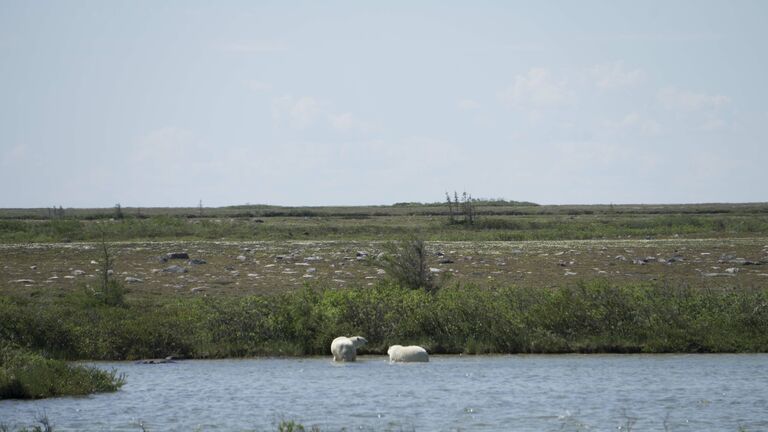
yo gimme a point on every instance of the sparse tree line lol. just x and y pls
(461, 210)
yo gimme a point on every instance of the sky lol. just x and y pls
(177, 103)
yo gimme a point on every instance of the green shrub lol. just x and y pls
(27, 375)
(406, 263)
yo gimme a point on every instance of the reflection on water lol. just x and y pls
(521, 393)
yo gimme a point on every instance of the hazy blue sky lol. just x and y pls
(149, 103)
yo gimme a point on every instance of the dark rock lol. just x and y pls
(177, 255)
(446, 261)
(175, 269)
(156, 361)
(197, 261)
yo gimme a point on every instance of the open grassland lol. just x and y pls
(494, 223)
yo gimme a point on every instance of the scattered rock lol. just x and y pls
(570, 273)
(732, 270)
(198, 289)
(24, 281)
(241, 258)
(177, 255)
(175, 269)
(78, 272)
(645, 260)
(435, 270)
(311, 270)
(381, 271)
(620, 257)
(33, 267)
(313, 258)
(253, 275)
(197, 261)
(716, 274)
(131, 279)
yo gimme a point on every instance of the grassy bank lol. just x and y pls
(595, 316)
(28, 375)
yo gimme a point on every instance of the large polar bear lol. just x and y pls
(345, 348)
(413, 353)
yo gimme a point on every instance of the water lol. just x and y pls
(521, 393)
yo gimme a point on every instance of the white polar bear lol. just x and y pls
(413, 353)
(345, 348)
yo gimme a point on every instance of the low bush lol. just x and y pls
(28, 375)
(594, 316)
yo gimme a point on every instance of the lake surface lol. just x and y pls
(517, 392)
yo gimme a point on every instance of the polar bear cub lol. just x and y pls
(412, 353)
(345, 348)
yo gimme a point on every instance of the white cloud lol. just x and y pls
(342, 122)
(305, 112)
(18, 154)
(298, 113)
(634, 122)
(346, 122)
(614, 75)
(166, 144)
(258, 86)
(535, 90)
(468, 104)
(682, 100)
